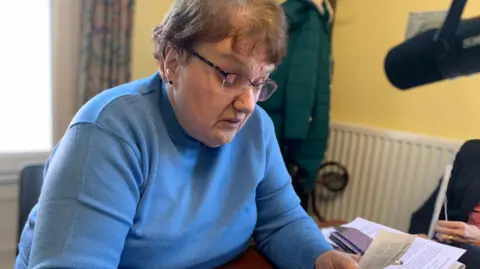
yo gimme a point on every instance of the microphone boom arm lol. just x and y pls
(450, 25)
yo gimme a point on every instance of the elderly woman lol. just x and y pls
(180, 169)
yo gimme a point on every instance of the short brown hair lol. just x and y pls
(191, 21)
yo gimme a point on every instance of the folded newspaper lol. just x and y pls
(382, 247)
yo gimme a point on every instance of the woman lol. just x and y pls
(461, 226)
(463, 199)
(180, 169)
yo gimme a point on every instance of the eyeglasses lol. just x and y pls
(237, 82)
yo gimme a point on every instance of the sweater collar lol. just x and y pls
(177, 134)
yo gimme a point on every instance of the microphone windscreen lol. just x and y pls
(411, 63)
(420, 60)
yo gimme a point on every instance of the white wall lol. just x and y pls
(66, 46)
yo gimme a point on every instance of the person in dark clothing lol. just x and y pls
(463, 196)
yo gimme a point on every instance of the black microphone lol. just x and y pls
(420, 60)
(435, 55)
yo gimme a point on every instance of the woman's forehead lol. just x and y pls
(251, 53)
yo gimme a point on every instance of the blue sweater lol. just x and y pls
(128, 188)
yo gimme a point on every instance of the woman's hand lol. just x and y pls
(337, 260)
(456, 231)
(424, 236)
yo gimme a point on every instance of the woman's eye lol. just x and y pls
(230, 80)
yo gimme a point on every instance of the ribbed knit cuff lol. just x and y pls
(311, 253)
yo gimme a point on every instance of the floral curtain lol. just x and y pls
(106, 32)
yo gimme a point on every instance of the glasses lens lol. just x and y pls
(267, 90)
(236, 82)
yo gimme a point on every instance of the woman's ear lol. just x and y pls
(171, 65)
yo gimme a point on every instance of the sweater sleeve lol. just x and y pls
(421, 218)
(284, 232)
(88, 201)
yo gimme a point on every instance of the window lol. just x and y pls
(25, 65)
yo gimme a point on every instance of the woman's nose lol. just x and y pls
(245, 102)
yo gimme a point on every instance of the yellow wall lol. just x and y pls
(148, 14)
(364, 32)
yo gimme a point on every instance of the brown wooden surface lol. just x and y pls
(331, 223)
(251, 259)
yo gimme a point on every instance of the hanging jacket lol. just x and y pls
(300, 108)
(463, 191)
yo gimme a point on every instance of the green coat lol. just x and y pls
(300, 109)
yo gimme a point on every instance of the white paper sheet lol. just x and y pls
(423, 253)
(370, 228)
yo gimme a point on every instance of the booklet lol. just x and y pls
(383, 247)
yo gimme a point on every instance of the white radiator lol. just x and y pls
(391, 173)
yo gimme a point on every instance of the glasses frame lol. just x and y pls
(225, 74)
